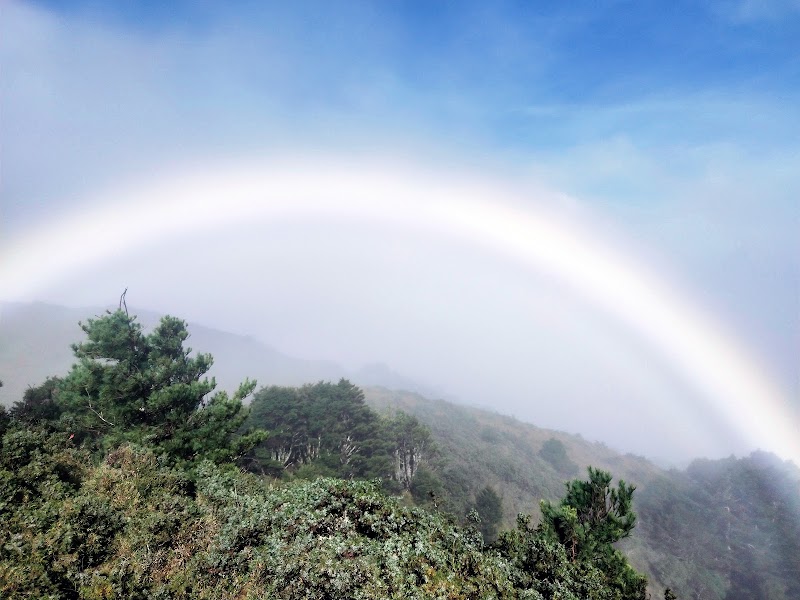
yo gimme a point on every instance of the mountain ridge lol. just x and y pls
(36, 338)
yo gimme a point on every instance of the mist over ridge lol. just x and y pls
(37, 339)
(677, 148)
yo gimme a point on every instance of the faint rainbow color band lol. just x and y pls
(473, 210)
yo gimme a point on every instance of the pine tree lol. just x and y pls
(38, 405)
(589, 519)
(490, 508)
(149, 389)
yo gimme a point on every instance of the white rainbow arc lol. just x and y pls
(474, 211)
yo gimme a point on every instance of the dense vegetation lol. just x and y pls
(730, 528)
(131, 477)
(121, 480)
(720, 530)
(327, 429)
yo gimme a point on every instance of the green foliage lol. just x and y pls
(327, 429)
(166, 514)
(322, 422)
(142, 525)
(5, 419)
(427, 489)
(734, 523)
(38, 405)
(592, 516)
(412, 446)
(134, 528)
(541, 564)
(555, 453)
(490, 508)
(476, 448)
(694, 526)
(589, 519)
(148, 389)
(40, 517)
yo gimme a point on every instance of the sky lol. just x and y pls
(660, 136)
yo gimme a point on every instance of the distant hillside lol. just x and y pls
(479, 447)
(489, 448)
(35, 342)
(720, 530)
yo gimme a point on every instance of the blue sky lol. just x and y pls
(509, 79)
(672, 126)
(516, 73)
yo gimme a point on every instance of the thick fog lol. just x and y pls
(656, 152)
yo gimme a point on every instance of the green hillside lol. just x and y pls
(722, 530)
(478, 447)
(126, 476)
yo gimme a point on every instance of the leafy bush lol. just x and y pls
(555, 453)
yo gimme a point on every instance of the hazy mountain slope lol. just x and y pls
(483, 448)
(478, 448)
(720, 530)
(35, 340)
(35, 343)
(381, 375)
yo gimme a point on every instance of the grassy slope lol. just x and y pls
(490, 448)
(478, 447)
(721, 529)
